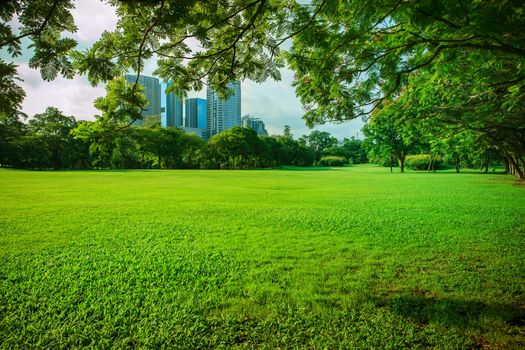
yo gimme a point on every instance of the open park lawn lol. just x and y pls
(290, 258)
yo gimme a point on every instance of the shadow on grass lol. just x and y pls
(451, 312)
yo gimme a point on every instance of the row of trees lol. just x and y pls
(51, 140)
(393, 135)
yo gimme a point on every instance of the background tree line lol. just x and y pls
(52, 140)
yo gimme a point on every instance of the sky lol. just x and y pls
(273, 102)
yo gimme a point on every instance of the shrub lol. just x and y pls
(422, 161)
(332, 161)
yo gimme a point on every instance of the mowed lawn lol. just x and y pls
(341, 258)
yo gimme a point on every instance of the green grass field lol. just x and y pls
(341, 258)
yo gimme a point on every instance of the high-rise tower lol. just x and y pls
(195, 113)
(223, 114)
(249, 121)
(152, 92)
(173, 110)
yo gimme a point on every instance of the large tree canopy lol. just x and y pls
(348, 56)
(356, 54)
(461, 62)
(44, 23)
(196, 42)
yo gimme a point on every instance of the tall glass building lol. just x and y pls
(152, 92)
(223, 114)
(173, 111)
(195, 113)
(249, 121)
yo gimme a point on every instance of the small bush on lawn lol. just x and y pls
(422, 161)
(333, 161)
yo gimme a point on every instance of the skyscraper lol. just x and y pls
(195, 113)
(249, 121)
(152, 92)
(223, 114)
(173, 110)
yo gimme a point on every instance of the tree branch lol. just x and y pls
(34, 32)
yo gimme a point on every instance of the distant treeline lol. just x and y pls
(51, 140)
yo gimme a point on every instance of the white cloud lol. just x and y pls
(93, 17)
(73, 97)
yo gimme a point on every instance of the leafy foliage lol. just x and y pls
(390, 137)
(333, 161)
(356, 54)
(42, 23)
(422, 162)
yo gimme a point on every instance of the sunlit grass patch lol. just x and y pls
(353, 257)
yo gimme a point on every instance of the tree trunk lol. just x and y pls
(391, 162)
(515, 168)
(522, 169)
(519, 173)
(402, 163)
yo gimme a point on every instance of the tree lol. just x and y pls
(319, 141)
(287, 132)
(192, 148)
(30, 151)
(42, 23)
(234, 36)
(11, 128)
(101, 142)
(168, 146)
(467, 93)
(350, 58)
(294, 152)
(125, 153)
(355, 55)
(459, 62)
(352, 149)
(55, 130)
(122, 105)
(235, 148)
(391, 137)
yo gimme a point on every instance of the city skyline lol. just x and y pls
(194, 115)
(257, 124)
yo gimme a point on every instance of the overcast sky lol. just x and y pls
(274, 102)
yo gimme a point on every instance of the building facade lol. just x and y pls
(173, 111)
(195, 113)
(223, 114)
(249, 121)
(151, 87)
